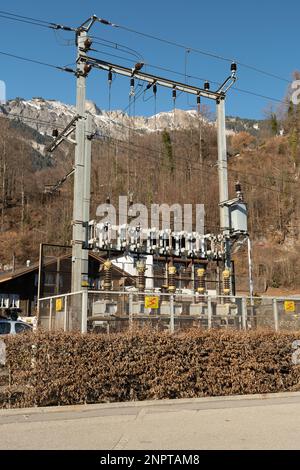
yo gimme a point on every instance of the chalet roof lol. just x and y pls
(10, 275)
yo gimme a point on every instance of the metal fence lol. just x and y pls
(65, 312)
(108, 311)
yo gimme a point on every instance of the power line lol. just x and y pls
(142, 147)
(188, 76)
(270, 177)
(248, 92)
(26, 21)
(127, 146)
(118, 46)
(209, 166)
(24, 17)
(34, 21)
(81, 210)
(38, 22)
(51, 25)
(193, 167)
(115, 55)
(63, 41)
(27, 118)
(202, 52)
(65, 69)
(248, 183)
(239, 90)
(34, 61)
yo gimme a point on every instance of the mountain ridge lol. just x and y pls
(44, 115)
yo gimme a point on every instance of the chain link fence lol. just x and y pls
(63, 312)
(108, 311)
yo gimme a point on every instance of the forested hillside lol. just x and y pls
(168, 166)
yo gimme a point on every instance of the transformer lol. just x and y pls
(238, 217)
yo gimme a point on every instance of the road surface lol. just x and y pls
(245, 422)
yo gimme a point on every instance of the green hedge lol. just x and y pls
(70, 368)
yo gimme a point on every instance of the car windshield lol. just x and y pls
(20, 327)
(4, 328)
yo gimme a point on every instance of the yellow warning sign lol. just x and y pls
(151, 302)
(289, 306)
(59, 305)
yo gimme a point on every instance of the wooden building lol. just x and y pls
(19, 288)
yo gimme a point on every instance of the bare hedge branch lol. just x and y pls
(70, 368)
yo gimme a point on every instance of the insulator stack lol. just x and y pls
(107, 266)
(174, 94)
(164, 290)
(201, 275)
(198, 103)
(141, 268)
(87, 44)
(86, 69)
(171, 286)
(226, 282)
(233, 67)
(131, 87)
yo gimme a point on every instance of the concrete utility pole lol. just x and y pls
(87, 173)
(81, 176)
(223, 178)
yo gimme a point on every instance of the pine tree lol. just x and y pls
(167, 152)
(274, 123)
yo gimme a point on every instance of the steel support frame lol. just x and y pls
(154, 79)
(83, 151)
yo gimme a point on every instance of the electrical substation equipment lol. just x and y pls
(135, 240)
(105, 307)
(126, 238)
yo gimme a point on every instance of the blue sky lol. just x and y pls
(262, 33)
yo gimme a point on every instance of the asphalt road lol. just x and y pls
(249, 422)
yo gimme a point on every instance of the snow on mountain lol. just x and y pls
(45, 115)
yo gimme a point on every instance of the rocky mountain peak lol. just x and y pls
(44, 115)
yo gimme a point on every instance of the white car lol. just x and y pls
(12, 327)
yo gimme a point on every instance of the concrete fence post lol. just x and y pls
(66, 314)
(84, 309)
(275, 314)
(130, 310)
(244, 313)
(172, 314)
(2, 353)
(50, 314)
(209, 313)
